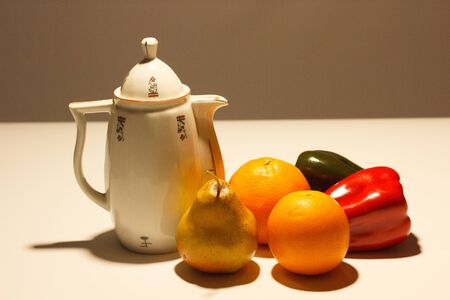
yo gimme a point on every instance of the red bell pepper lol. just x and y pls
(374, 203)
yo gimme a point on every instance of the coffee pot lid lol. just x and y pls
(151, 79)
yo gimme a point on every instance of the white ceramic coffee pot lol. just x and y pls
(160, 143)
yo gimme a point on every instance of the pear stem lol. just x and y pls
(219, 184)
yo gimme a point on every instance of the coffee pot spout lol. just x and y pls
(204, 108)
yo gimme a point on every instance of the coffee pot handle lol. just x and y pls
(79, 110)
(204, 108)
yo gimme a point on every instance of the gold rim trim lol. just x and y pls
(153, 101)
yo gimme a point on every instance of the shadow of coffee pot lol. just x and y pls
(106, 246)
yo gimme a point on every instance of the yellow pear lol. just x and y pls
(217, 234)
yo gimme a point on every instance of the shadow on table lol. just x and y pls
(263, 251)
(107, 246)
(246, 275)
(409, 247)
(341, 277)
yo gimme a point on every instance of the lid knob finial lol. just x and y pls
(149, 47)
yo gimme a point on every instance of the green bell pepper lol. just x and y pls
(323, 168)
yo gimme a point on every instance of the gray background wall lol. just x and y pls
(271, 59)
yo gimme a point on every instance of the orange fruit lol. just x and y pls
(308, 232)
(261, 183)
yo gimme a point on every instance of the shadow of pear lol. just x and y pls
(106, 246)
(338, 278)
(246, 275)
(263, 251)
(409, 247)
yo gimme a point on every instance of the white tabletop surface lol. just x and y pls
(56, 244)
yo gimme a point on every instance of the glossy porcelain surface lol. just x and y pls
(156, 169)
(156, 157)
(151, 79)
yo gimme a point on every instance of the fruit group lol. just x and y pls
(261, 183)
(308, 232)
(217, 234)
